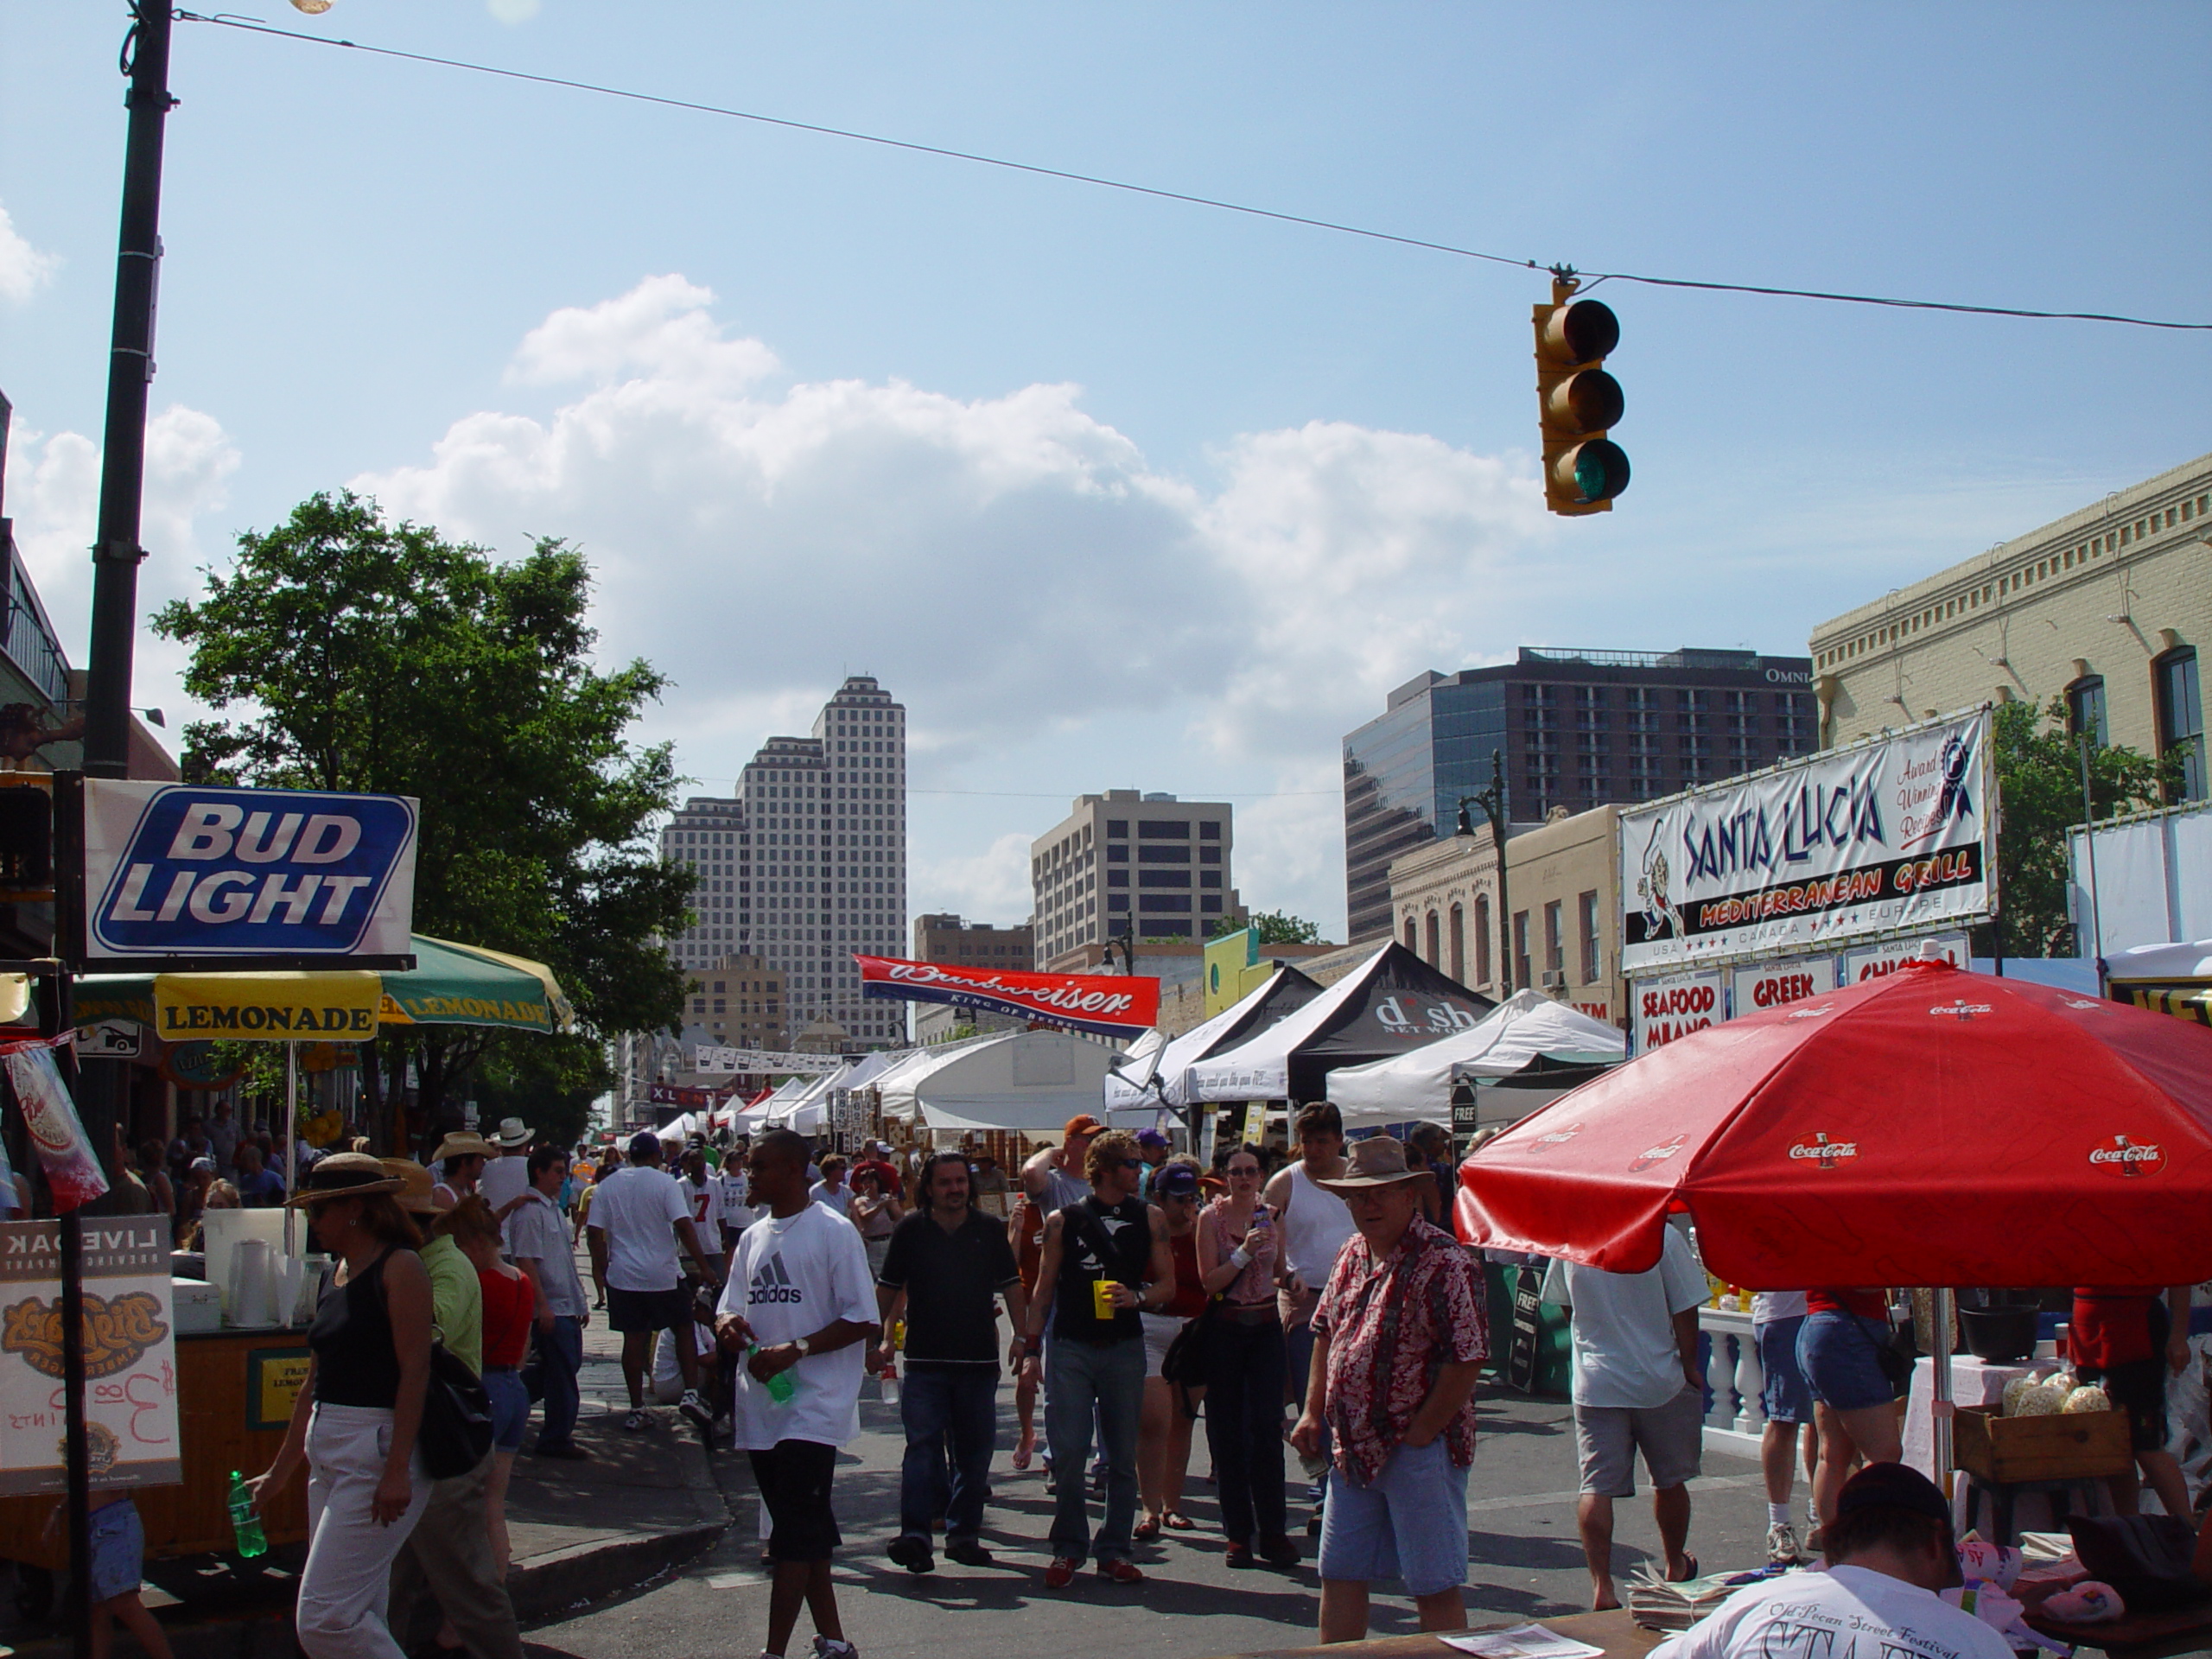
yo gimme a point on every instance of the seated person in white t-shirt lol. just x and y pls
(668, 1372)
(1889, 1551)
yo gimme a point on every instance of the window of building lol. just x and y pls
(1435, 954)
(1554, 946)
(1413, 936)
(1209, 877)
(1119, 878)
(1117, 855)
(1520, 948)
(1209, 855)
(1586, 907)
(1164, 830)
(1482, 940)
(1209, 829)
(1117, 829)
(2085, 709)
(1163, 854)
(1163, 878)
(1456, 945)
(2181, 720)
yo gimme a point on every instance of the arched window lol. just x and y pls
(1435, 941)
(1413, 934)
(1482, 940)
(2181, 720)
(1459, 969)
(2085, 709)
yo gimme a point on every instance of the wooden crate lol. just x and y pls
(2060, 1446)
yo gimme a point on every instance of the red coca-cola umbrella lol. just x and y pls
(1933, 1127)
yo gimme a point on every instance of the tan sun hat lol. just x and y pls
(417, 1192)
(1378, 1161)
(512, 1133)
(343, 1175)
(463, 1144)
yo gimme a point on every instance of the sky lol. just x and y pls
(1114, 492)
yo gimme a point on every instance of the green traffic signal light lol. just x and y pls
(1592, 472)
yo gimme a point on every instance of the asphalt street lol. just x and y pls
(1525, 1559)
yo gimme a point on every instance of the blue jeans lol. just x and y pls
(1079, 1377)
(560, 1357)
(957, 1405)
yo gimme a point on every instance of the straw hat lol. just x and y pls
(512, 1133)
(343, 1175)
(1378, 1161)
(417, 1192)
(463, 1144)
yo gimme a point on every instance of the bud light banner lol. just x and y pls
(1896, 833)
(173, 870)
(1112, 1005)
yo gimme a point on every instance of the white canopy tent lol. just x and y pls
(808, 1111)
(1527, 1027)
(2162, 964)
(755, 1118)
(1241, 1017)
(1028, 1080)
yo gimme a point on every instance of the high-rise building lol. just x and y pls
(807, 864)
(738, 1001)
(1572, 728)
(1122, 862)
(973, 944)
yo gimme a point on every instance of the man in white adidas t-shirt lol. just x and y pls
(799, 1303)
(1890, 1553)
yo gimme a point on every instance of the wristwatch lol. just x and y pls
(804, 1345)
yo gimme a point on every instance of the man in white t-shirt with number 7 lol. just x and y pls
(798, 1305)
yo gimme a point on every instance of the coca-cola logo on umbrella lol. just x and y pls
(1828, 1154)
(1558, 1137)
(1658, 1154)
(2117, 1154)
(1963, 1009)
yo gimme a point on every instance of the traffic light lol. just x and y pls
(1578, 403)
(26, 838)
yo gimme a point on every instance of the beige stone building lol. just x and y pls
(2107, 608)
(1563, 931)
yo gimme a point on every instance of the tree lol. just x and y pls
(2039, 788)
(1274, 927)
(351, 654)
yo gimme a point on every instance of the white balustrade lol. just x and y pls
(1734, 1415)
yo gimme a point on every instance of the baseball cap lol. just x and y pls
(643, 1142)
(1150, 1138)
(1176, 1181)
(1083, 1123)
(1891, 1487)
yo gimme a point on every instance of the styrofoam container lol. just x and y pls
(196, 1305)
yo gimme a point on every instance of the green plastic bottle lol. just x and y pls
(782, 1386)
(245, 1525)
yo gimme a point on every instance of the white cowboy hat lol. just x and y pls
(513, 1133)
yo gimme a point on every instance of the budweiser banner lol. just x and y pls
(1895, 833)
(1113, 1005)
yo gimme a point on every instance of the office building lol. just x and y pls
(1571, 729)
(972, 944)
(2105, 609)
(1123, 863)
(738, 1003)
(807, 864)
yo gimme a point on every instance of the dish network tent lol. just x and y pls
(1393, 1003)
(1284, 993)
(1525, 1029)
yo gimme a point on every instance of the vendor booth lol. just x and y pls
(1032, 1081)
(1281, 994)
(1391, 1004)
(1528, 1035)
(2174, 979)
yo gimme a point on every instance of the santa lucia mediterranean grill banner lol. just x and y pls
(1895, 833)
(1113, 1005)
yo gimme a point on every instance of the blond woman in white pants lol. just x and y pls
(354, 1423)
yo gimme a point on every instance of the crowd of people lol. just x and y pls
(1313, 1297)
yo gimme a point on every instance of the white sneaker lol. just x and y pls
(825, 1648)
(695, 1408)
(637, 1420)
(1782, 1548)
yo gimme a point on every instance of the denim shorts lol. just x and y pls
(510, 1407)
(1784, 1395)
(1840, 1354)
(118, 1550)
(1410, 1524)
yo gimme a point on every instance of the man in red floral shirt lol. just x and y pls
(1398, 1338)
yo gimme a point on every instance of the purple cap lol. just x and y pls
(1150, 1138)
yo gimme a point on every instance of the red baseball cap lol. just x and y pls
(1081, 1124)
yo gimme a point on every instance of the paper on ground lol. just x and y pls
(1523, 1642)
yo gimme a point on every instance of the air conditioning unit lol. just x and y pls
(1554, 979)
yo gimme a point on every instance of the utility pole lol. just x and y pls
(1493, 803)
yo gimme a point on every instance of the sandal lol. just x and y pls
(1176, 1521)
(1147, 1529)
(1687, 1576)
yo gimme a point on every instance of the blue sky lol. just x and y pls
(1116, 492)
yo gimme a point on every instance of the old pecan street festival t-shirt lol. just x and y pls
(1846, 1612)
(789, 1278)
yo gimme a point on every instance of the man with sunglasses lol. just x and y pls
(1106, 1261)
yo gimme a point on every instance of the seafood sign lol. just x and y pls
(1883, 837)
(130, 1355)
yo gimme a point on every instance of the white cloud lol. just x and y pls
(994, 884)
(23, 269)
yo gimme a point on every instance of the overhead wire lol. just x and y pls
(254, 26)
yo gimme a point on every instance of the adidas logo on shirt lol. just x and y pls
(773, 1284)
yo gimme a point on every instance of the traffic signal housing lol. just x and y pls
(1578, 403)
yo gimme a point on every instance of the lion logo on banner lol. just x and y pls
(116, 1333)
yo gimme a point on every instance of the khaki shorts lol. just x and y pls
(1671, 1437)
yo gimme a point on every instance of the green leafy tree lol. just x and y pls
(1274, 927)
(344, 652)
(2039, 782)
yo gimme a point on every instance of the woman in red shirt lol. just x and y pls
(1164, 1428)
(2128, 1338)
(1840, 1348)
(509, 1304)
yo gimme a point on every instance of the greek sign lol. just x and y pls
(1773, 985)
(130, 1355)
(174, 870)
(1887, 835)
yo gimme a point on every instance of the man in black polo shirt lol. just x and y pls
(947, 1265)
